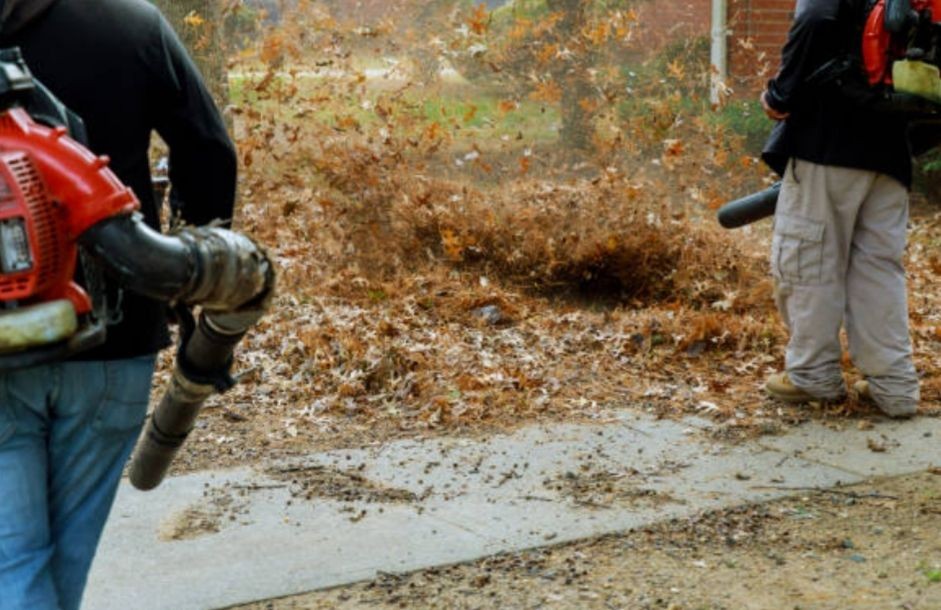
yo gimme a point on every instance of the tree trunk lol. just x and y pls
(199, 25)
(577, 124)
(573, 74)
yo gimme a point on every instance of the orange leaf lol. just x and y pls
(673, 148)
(434, 131)
(599, 35)
(451, 243)
(479, 20)
(194, 20)
(507, 106)
(548, 53)
(589, 105)
(675, 68)
(347, 122)
(520, 29)
(470, 114)
(272, 48)
(547, 92)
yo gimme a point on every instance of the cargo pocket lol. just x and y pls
(797, 249)
(127, 393)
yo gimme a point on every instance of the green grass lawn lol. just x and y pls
(463, 110)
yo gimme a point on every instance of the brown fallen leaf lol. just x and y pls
(876, 446)
(232, 416)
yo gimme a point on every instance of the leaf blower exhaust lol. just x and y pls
(752, 208)
(61, 208)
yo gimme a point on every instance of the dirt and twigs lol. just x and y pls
(218, 508)
(601, 488)
(868, 547)
(595, 485)
(227, 504)
(311, 482)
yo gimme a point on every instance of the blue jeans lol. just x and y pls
(66, 431)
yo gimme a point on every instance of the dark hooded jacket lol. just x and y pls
(825, 126)
(119, 65)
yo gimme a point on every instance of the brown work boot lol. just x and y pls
(864, 394)
(861, 388)
(779, 386)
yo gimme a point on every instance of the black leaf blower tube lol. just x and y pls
(226, 275)
(202, 369)
(750, 209)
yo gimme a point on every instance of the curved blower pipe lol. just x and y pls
(750, 209)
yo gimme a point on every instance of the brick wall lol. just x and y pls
(662, 21)
(759, 29)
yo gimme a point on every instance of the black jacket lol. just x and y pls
(825, 126)
(119, 65)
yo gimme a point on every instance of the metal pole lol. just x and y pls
(720, 50)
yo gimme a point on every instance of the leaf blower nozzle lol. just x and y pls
(202, 369)
(224, 273)
(750, 209)
(232, 268)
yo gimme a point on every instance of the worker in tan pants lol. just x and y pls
(836, 256)
(839, 232)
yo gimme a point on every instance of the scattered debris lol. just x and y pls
(758, 556)
(876, 445)
(599, 489)
(219, 507)
(312, 482)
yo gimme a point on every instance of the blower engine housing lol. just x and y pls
(37, 261)
(52, 190)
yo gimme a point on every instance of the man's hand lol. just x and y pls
(773, 114)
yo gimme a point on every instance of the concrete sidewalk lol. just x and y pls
(211, 540)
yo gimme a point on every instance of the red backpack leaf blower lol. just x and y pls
(59, 205)
(895, 71)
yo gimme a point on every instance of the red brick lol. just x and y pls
(783, 6)
(762, 25)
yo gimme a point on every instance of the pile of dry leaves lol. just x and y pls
(437, 276)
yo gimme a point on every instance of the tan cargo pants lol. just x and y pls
(836, 255)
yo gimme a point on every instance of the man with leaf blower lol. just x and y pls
(76, 359)
(842, 147)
